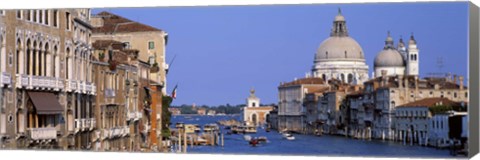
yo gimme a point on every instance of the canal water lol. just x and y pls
(305, 144)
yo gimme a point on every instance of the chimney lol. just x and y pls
(460, 78)
(407, 94)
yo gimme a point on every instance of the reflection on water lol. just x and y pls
(306, 144)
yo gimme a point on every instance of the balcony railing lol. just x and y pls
(78, 125)
(139, 115)
(86, 124)
(43, 133)
(105, 133)
(131, 116)
(5, 79)
(39, 82)
(126, 130)
(71, 86)
(93, 123)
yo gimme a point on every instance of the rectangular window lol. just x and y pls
(19, 14)
(28, 15)
(67, 16)
(2, 12)
(151, 45)
(40, 16)
(55, 18)
(34, 16)
(46, 17)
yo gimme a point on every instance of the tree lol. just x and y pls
(166, 115)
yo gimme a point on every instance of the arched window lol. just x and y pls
(29, 57)
(345, 54)
(34, 58)
(19, 57)
(392, 104)
(342, 76)
(350, 78)
(326, 55)
(324, 77)
(47, 61)
(55, 61)
(67, 66)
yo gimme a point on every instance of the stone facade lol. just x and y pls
(253, 113)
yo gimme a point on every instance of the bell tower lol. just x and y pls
(412, 57)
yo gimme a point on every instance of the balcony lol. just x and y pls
(42, 133)
(131, 116)
(126, 130)
(86, 124)
(105, 134)
(39, 82)
(71, 86)
(78, 125)
(6, 79)
(93, 123)
(139, 115)
(90, 88)
(116, 132)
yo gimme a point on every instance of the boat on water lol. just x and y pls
(250, 129)
(262, 139)
(247, 137)
(288, 136)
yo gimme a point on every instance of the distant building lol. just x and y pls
(202, 111)
(397, 61)
(253, 113)
(211, 112)
(175, 111)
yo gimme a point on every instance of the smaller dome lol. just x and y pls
(389, 58)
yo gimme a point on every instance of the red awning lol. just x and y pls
(45, 103)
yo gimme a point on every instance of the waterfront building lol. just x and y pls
(311, 106)
(272, 118)
(447, 126)
(211, 112)
(117, 76)
(254, 113)
(202, 111)
(418, 122)
(332, 109)
(340, 56)
(150, 41)
(291, 111)
(47, 93)
(175, 111)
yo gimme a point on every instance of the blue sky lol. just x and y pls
(223, 51)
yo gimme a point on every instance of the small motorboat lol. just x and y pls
(290, 137)
(247, 137)
(253, 142)
(262, 139)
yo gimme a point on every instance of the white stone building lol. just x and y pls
(253, 113)
(340, 56)
(399, 61)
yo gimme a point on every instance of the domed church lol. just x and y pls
(340, 56)
(397, 61)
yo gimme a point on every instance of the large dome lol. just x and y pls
(339, 47)
(389, 58)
